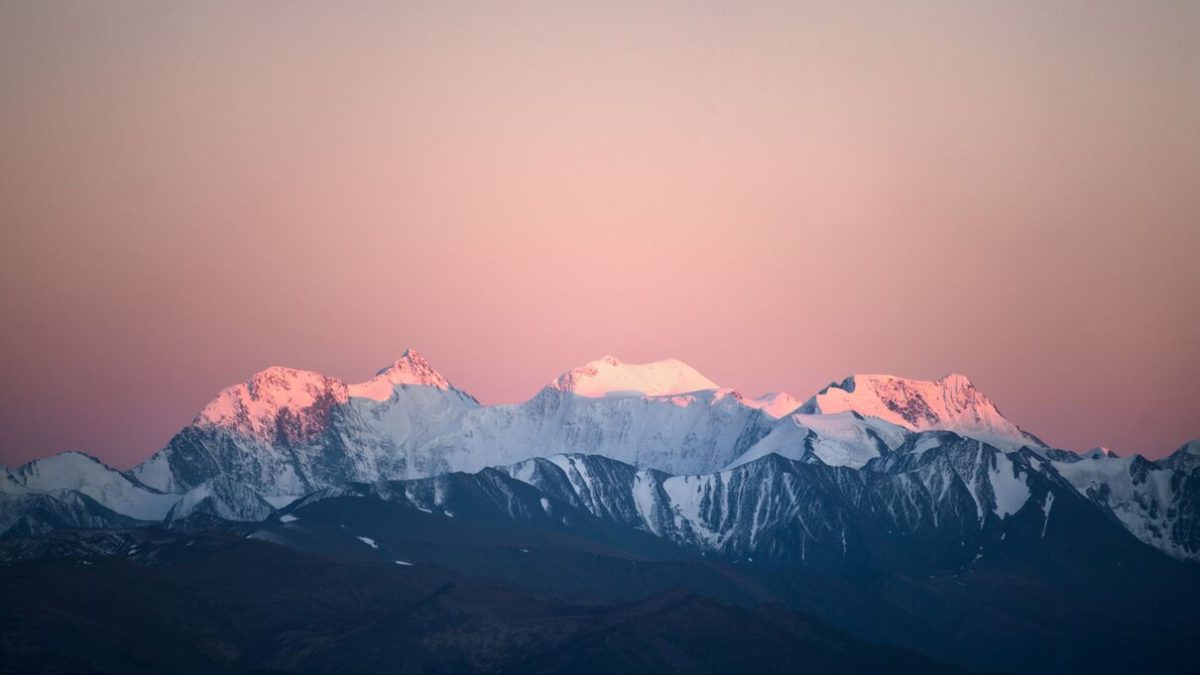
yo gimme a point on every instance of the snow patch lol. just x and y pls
(1046, 512)
(281, 501)
(686, 495)
(1009, 487)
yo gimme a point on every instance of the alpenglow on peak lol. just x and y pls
(950, 403)
(610, 377)
(410, 369)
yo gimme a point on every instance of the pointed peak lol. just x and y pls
(1192, 447)
(412, 358)
(1098, 452)
(1186, 458)
(411, 369)
(609, 377)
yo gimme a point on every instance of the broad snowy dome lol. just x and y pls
(610, 377)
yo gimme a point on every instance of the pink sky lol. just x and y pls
(778, 196)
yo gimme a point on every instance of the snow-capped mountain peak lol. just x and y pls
(838, 439)
(950, 403)
(70, 470)
(1098, 452)
(776, 403)
(1185, 459)
(610, 377)
(411, 369)
(82, 473)
(255, 404)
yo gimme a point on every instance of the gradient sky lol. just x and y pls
(779, 195)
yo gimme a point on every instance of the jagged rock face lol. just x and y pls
(1157, 503)
(289, 432)
(951, 404)
(313, 434)
(222, 498)
(941, 499)
(608, 489)
(933, 507)
(1184, 514)
(281, 405)
(1186, 459)
(32, 514)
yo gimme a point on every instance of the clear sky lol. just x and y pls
(780, 194)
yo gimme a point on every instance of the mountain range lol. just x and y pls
(287, 433)
(875, 482)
